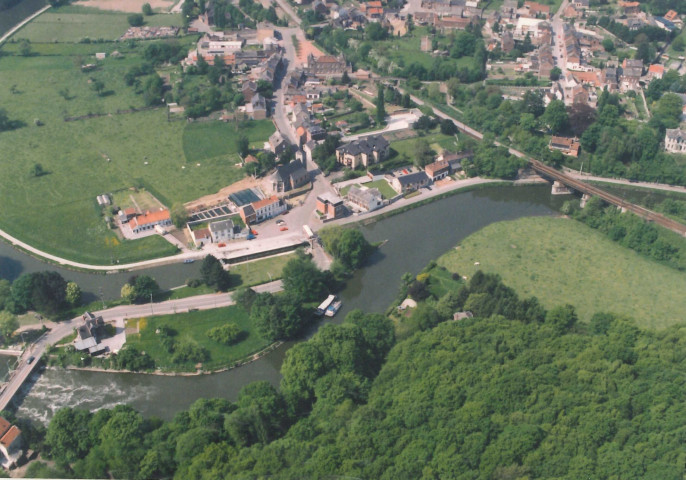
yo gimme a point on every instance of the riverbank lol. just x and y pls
(248, 360)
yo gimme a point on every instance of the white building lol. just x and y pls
(675, 140)
(221, 231)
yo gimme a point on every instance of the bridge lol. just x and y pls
(573, 183)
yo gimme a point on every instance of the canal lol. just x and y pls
(413, 239)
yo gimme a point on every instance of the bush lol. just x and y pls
(226, 334)
(135, 20)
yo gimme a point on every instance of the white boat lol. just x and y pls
(321, 309)
(333, 308)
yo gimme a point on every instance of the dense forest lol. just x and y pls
(515, 392)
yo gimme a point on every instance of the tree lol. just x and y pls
(423, 155)
(555, 73)
(213, 274)
(244, 297)
(128, 292)
(25, 47)
(347, 245)
(5, 294)
(42, 291)
(580, 116)
(243, 145)
(448, 127)
(374, 32)
(561, 319)
(153, 90)
(73, 294)
(555, 116)
(608, 45)
(135, 20)
(146, 9)
(261, 415)
(302, 280)
(37, 170)
(98, 86)
(8, 324)
(67, 436)
(380, 107)
(179, 215)
(277, 318)
(146, 287)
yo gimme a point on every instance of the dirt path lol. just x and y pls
(221, 196)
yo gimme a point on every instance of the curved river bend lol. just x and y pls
(414, 238)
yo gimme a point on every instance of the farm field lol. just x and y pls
(73, 24)
(193, 327)
(563, 261)
(90, 143)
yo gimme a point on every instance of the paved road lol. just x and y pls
(289, 11)
(61, 330)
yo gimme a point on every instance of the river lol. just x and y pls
(414, 238)
(12, 16)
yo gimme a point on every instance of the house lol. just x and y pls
(126, 214)
(88, 335)
(277, 144)
(201, 236)
(537, 9)
(437, 170)
(609, 78)
(326, 66)
(263, 209)
(672, 16)
(411, 182)
(581, 4)
(222, 231)
(656, 71)
(330, 205)
(455, 159)
(462, 315)
(675, 140)
(546, 62)
(289, 177)
(632, 70)
(10, 443)
(364, 151)
(630, 8)
(248, 89)
(568, 146)
(367, 199)
(579, 94)
(149, 220)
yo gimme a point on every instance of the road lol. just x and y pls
(558, 45)
(61, 330)
(289, 11)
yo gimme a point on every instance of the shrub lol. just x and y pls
(226, 334)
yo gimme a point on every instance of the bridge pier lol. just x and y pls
(560, 188)
(584, 198)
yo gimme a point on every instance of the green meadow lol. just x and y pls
(563, 261)
(91, 143)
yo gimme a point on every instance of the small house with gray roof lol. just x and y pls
(289, 177)
(411, 182)
(367, 199)
(222, 231)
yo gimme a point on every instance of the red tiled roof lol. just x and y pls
(264, 202)
(151, 217)
(4, 426)
(671, 15)
(10, 436)
(327, 59)
(202, 233)
(656, 68)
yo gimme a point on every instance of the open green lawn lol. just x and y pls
(436, 141)
(563, 261)
(384, 188)
(194, 326)
(260, 271)
(208, 140)
(58, 212)
(72, 24)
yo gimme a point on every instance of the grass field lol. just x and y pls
(436, 141)
(113, 149)
(194, 326)
(563, 261)
(73, 24)
(208, 140)
(260, 271)
(384, 188)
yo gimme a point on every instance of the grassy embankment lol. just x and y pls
(193, 326)
(57, 212)
(563, 261)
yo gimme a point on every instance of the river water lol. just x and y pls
(12, 16)
(413, 239)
